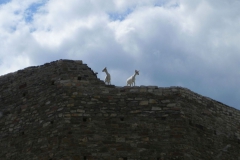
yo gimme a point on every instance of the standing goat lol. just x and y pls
(108, 77)
(131, 80)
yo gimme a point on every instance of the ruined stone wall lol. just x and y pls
(61, 110)
(214, 128)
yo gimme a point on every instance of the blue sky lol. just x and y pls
(193, 44)
(33, 9)
(115, 16)
(4, 1)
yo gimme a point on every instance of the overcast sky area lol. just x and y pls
(192, 44)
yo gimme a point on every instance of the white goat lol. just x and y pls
(131, 80)
(108, 77)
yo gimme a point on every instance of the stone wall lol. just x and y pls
(61, 110)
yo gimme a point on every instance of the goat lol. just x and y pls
(108, 77)
(131, 80)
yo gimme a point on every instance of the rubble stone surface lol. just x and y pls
(62, 111)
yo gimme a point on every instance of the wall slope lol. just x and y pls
(61, 110)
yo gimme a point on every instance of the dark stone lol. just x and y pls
(44, 118)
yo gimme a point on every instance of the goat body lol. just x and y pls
(131, 80)
(108, 77)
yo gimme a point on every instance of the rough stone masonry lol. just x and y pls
(62, 111)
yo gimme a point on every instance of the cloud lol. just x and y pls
(178, 42)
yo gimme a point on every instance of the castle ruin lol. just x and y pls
(62, 111)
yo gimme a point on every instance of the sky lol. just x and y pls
(192, 44)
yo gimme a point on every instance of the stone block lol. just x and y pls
(48, 102)
(136, 111)
(171, 105)
(46, 124)
(143, 103)
(143, 90)
(146, 139)
(75, 93)
(133, 90)
(60, 109)
(156, 108)
(67, 115)
(70, 105)
(76, 114)
(165, 101)
(87, 115)
(113, 115)
(81, 110)
(120, 139)
(152, 101)
(79, 61)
